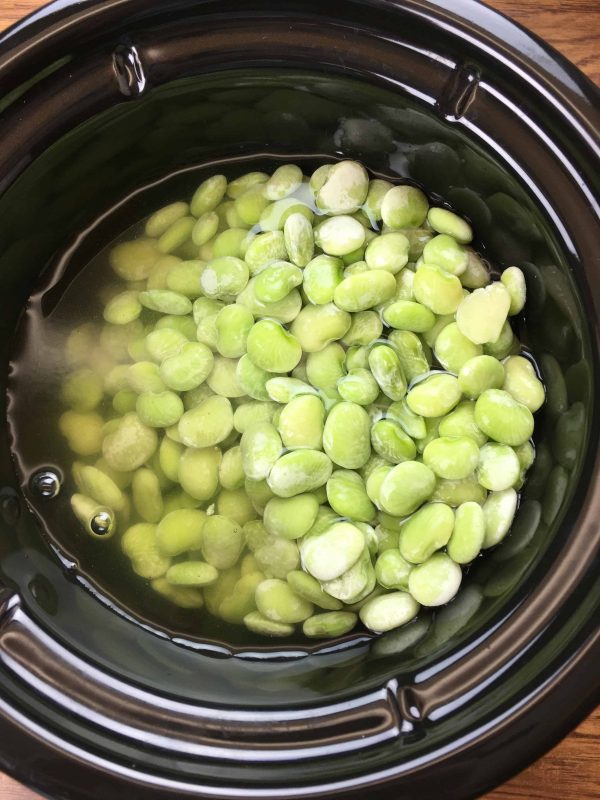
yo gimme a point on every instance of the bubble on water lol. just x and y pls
(46, 483)
(103, 523)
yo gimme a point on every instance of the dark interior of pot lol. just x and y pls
(155, 145)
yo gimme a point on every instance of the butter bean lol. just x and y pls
(325, 368)
(469, 530)
(391, 442)
(358, 386)
(223, 378)
(224, 276)
(277, 557)
(428, 530)
(283, 389)
(252, 379)
(188, 368)
(409, 316)
(261, 447)
(329, 555)
(299, 239)
(411, 423)
(392, 570)
(231, 470)
(191, 573)
(207, 424)
(499, 467)
(169, 455)
(180, 531)
(514, 281)
(437, 289)
(404, 207)
(502, 418)
(461, 422)
(480, 373)
(250, 204)
(147, 495)
(290, 517)
(340, 235)
(222, 541)
(332, 624)
(434, 396)
(298, 472)
(457, 492)
(123, 309)
(241, 601)
(159, 409)
(521, 382)
(198, 472)
(453, 458)
(322, 275)
(182, 596)
(264, 249)
(83, 432)
(365, 327)
(163, 343)
(165, 301)
(344, 188)
(274, 216)
(233, 324)
(317, 326)
(389, 611)
(435, 582)
(184, 278)
(453, 350)
(276, 281)
(444, 221)
(256, 623)
(406, 486)
(388, 251)
(133, 261)
(277, 601)
(309, 589)
(365, 290)
(481, 314)
(130, 445)
(301, 423)
(445, 252)
(272, 348)
(411, 353)
(284, 181)
(208, 195)
(347, 495)
(205, 228)
(499, 510)
(355, 584)
(350, 452)
(377, 191)
(387, 371)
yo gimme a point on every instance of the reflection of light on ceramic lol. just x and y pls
(10, 507)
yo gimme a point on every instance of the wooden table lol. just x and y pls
(572, 770)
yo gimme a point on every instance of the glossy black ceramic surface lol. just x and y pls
(113, 107)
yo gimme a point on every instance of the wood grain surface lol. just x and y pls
(571, 771)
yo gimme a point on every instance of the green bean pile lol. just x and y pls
(317, 410)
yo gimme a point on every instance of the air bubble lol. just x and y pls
(103, 523)
(45, 483)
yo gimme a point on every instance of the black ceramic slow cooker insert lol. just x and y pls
(111, 108)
